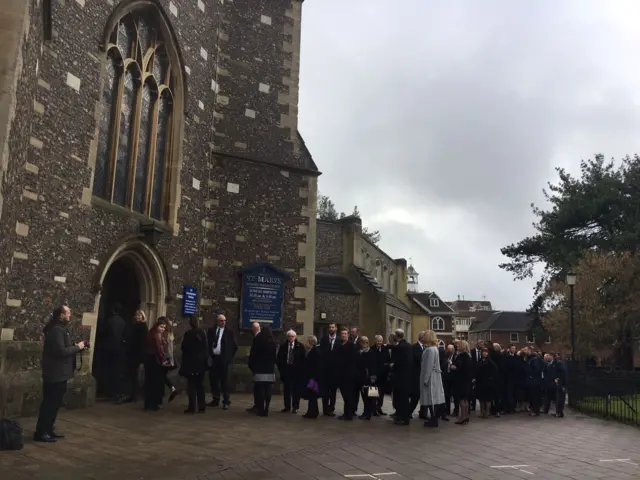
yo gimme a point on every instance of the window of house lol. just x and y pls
(513, 338)
(437, 323)
(440, 343)
(530, 338)
(434, 302)
(135, 142)
(548, 339)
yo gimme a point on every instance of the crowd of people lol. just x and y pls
(438, 381)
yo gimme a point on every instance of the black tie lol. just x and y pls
(290, 355)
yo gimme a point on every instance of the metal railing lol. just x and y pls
(605, 393)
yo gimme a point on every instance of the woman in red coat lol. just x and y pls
(154, 365)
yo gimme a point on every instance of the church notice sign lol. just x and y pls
(189, 301)
(262, 295)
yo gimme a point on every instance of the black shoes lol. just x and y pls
(44, 438)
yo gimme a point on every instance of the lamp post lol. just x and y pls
(571, 281)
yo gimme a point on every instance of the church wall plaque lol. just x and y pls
(189, 301)
(262, 295)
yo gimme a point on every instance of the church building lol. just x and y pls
(149, 150)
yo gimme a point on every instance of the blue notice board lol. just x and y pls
(189, 301)
(262, 295)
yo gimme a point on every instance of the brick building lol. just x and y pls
(468, 312)
(145, 146)
(429, 312)
(357, 283)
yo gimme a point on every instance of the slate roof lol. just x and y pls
(504, 321)
(423, 300)
(335, 283)
(368, 278)
(397, 303)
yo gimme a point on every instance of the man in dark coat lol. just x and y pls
(290, 362)
(58, 361)
(533, 367)
(512, 368)
(476, 356)
(496, 355)
(402, 357)
(348, 370)
(222, 348)
(446, 358)
(383, 367)
(416, 349)
(329, 349)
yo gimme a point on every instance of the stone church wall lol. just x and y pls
(246, 191)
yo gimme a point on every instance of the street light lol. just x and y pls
(571, 281)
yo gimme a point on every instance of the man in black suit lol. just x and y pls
(354, 337)
(476, 357)
(383, 366)
(416, 350)
(329, 348)
(348, 371)
(222, 351)
(290, 362)
(402, 357)
(446, 359)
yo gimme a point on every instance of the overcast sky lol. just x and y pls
(443, 120)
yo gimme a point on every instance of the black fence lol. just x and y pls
(605, 393)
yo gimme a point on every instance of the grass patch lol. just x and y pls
(624, 409)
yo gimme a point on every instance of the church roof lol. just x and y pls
(397, 303)
(335, 283)
(423, 300)
(305, 154)
(368, 279)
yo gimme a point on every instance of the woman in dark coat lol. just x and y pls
(262, 362)
(154, 365)
(462, 379)
(194, 365)
(367, 377)
(487, 384)
(313, 377)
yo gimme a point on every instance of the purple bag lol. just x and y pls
(313, 386)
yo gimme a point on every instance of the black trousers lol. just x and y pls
(154, 377)
(349, 392)
(195, 392)
(448, 394)
(219, 379)
(401, 402)
(312, 406)
(262, 397)
(560, 399)
(116, 373)
(133, 375)
(369, 403)
(535, 397)
(291, 391)
(380, 400)
(52, 397)
(550, 395)
(329, 400)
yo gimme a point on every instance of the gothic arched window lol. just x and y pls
(134, 146)
(437, 324)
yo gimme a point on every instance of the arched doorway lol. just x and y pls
(133, 278)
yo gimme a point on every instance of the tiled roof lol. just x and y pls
(335, 283)
(397, 303)
(504, 321)
(423, 300)
(368, 278)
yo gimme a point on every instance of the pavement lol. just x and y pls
(125, 443)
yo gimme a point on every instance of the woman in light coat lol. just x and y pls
(431, 389)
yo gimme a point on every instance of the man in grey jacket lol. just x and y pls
(58, 357)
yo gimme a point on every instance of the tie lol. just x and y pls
(290, 355)
(331, 340)
(218, 337)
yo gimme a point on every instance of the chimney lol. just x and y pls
(458, 297)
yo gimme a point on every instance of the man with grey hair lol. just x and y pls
(382, 354)
(222, 351)
(402, 359)
(290, 361)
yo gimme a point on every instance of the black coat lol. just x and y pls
(136, 334)
(447, 375)
(367, 368)
(513, 369)
(462, 376)
(295, 371)
(402, 357)
(487, 381)
(330, 357)
(58, 354)
(533, 367)
(194, 353)
(416, 352)
(228, 345)
(262, 358)
(314, 369)
(347, 361)
(383, 364)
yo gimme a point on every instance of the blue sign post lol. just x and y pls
(189, 301)
(262, 295)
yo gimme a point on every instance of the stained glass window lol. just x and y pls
(136, 123)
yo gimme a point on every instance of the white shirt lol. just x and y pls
(216, 346)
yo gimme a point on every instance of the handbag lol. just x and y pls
(313, 386)
(372, 392)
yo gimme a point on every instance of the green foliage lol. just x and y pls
(326, 210)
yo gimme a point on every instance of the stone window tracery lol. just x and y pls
(134, 145)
